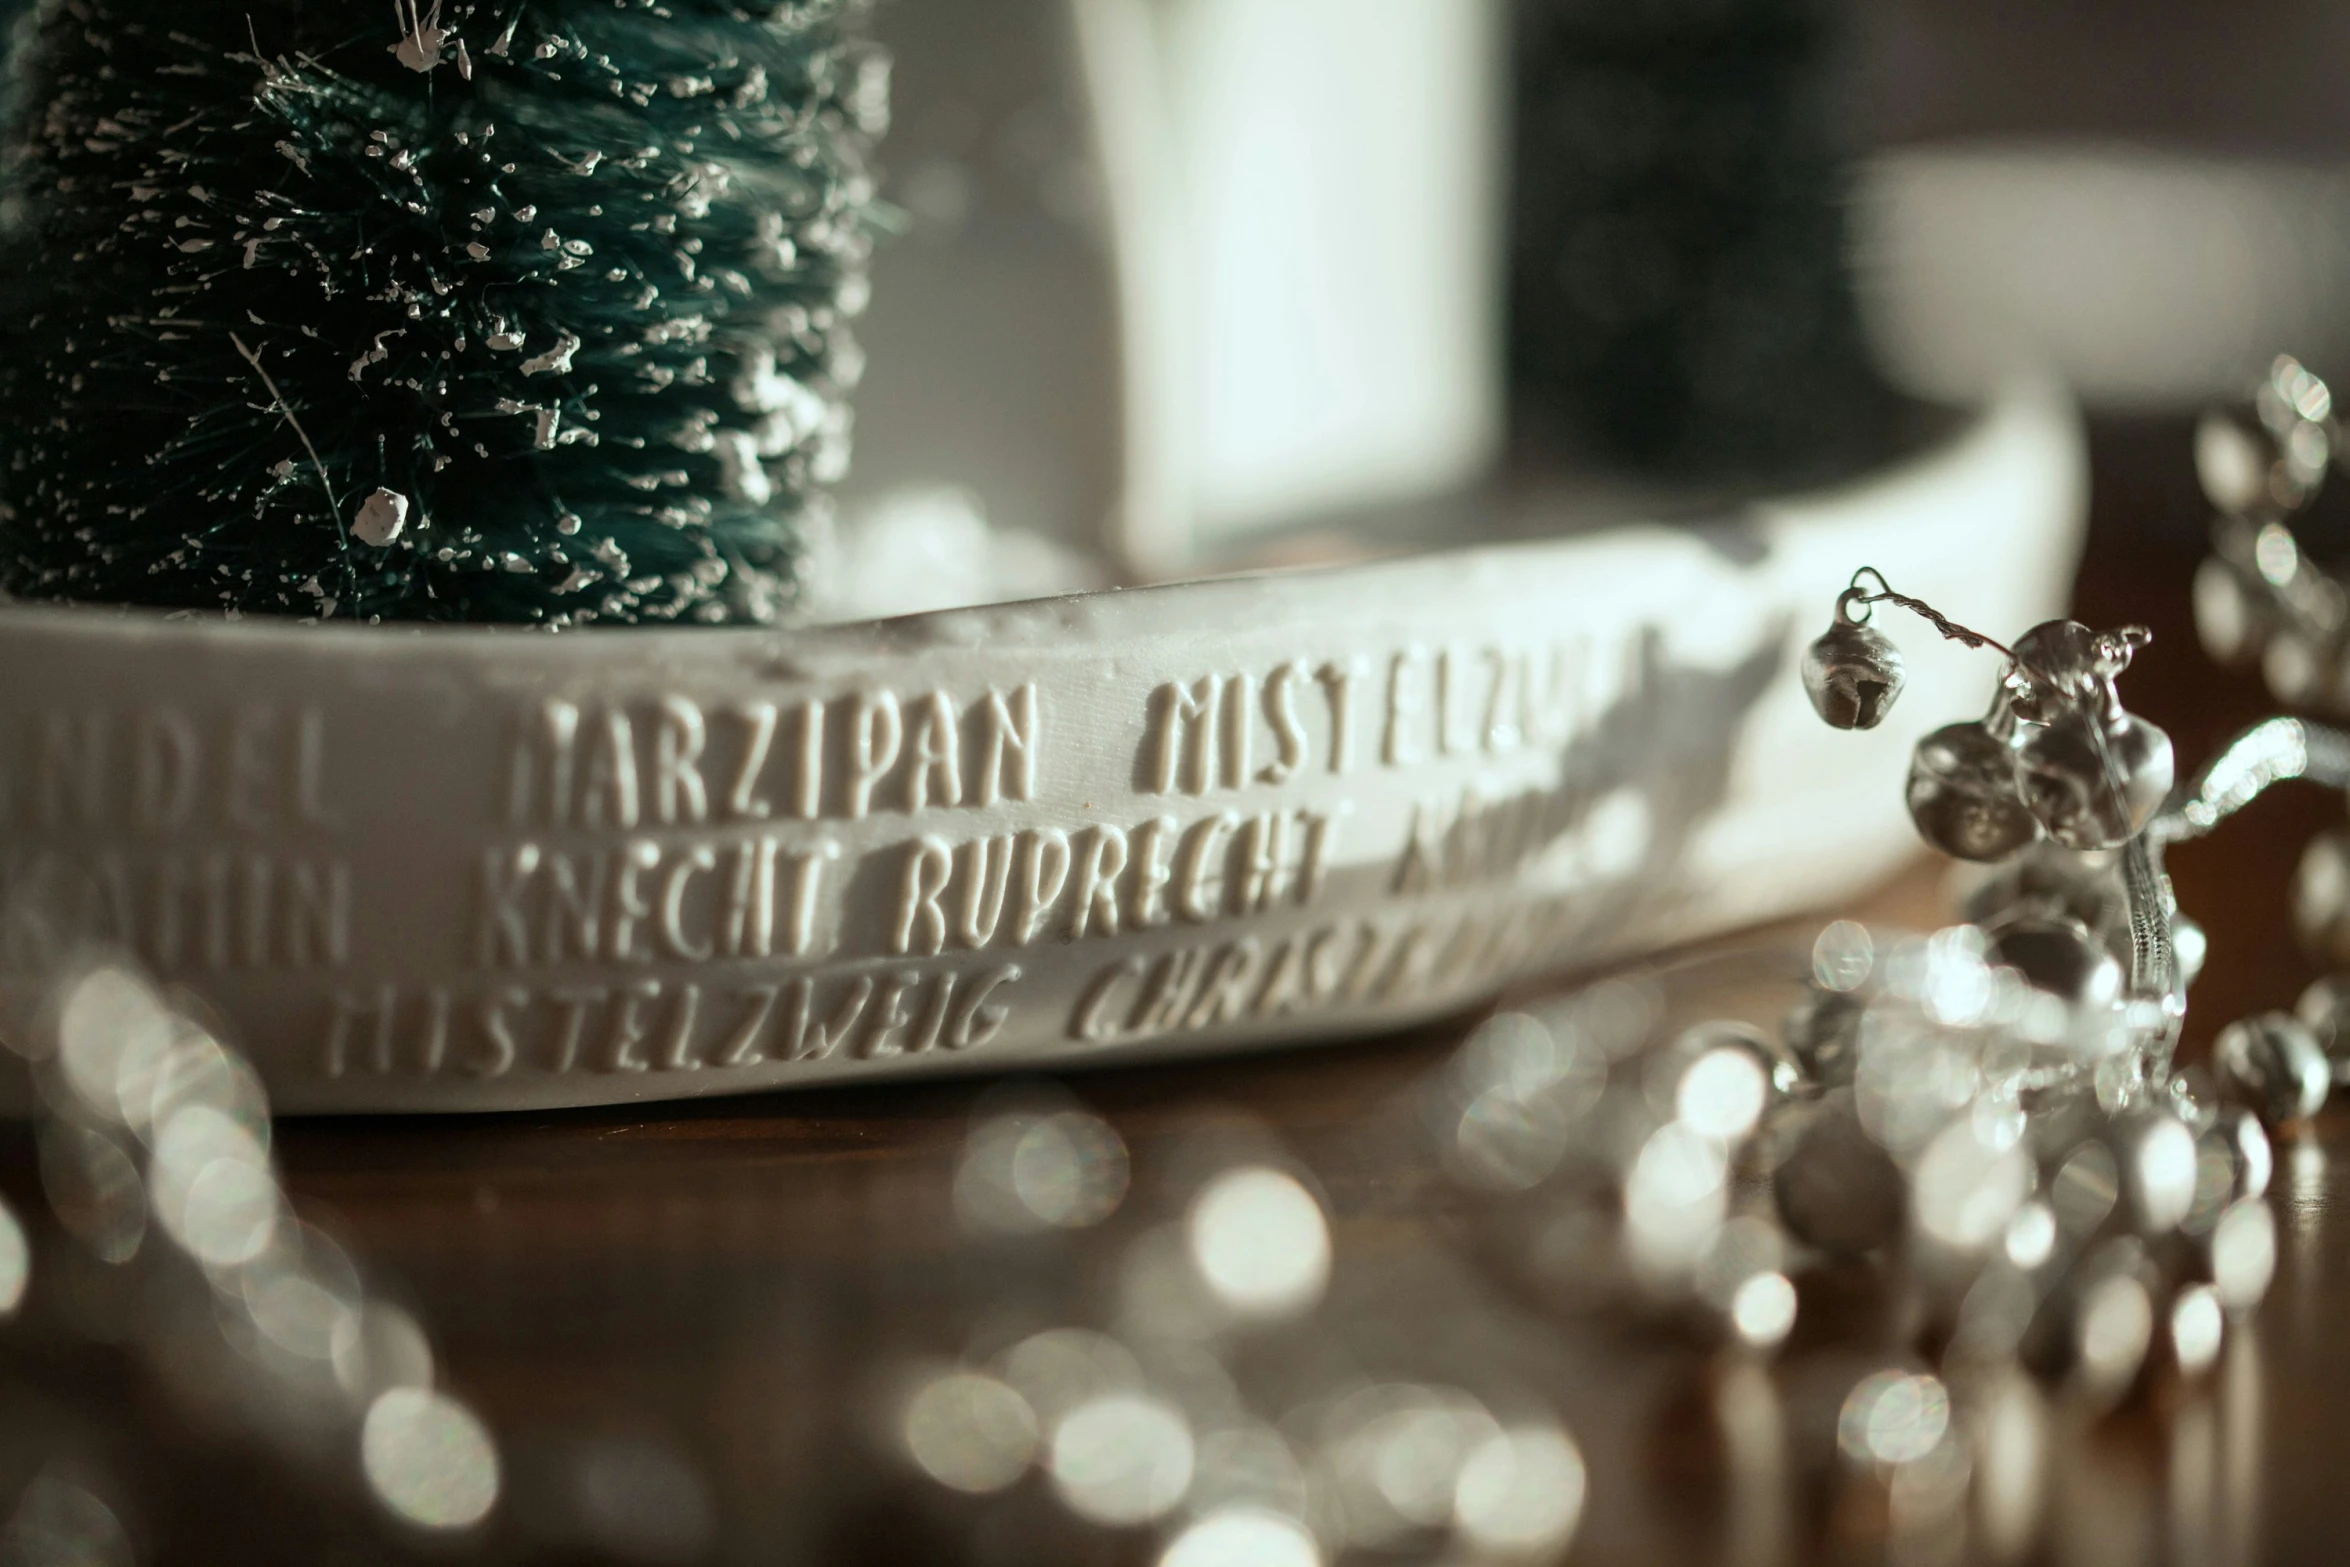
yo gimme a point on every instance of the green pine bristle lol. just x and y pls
(569, 278)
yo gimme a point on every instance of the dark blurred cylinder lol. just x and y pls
(1681, 288)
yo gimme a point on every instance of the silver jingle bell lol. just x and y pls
(1853, 674)
(2274, 1065)
(2092, 783)
(2061, 958)
(1837, 1190)
(1962, 794)
(2321, 897)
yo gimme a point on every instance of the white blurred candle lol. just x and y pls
(1307, 195)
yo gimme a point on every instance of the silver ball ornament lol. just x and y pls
(2274, 1065)
(1853, 675)
(1962, 794)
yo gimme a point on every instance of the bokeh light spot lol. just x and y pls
(429, 1459)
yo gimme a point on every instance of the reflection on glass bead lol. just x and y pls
(2198, 1325)
(2050, 880)
(1965, 1191)
(2059, 664)
(1843, 956)
(1962, 794)
(1719, 1078)
(2085, 1188)
(2112, 1328)
(2189, 948)
(2273, 1064)
(2060, 958)
(2155, 1159)
(2243, 1254)
(1853, 674)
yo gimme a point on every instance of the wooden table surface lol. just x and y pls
(713, 1306)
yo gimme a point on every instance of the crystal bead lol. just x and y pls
(2274, 1065)
(2093, 783)
(1962, 794)
(2060, 664)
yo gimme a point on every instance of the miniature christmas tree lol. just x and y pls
(467, 310)
(1683, 299)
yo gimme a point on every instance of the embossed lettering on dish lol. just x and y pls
(673, 760)
(664, 1025)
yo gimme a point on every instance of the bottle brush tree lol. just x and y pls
(462, 310)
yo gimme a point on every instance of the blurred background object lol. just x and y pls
(1682, 303)
(1182, 275)
(2148, 196)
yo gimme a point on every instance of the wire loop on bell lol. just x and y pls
(1918, 607)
